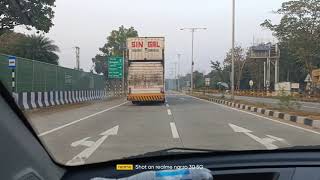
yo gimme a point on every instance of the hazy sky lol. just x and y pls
(86, 23)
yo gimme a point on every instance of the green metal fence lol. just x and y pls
(35, 76)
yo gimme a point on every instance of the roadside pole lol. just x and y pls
(179, 55)
(12, 66)
(123, 57)
(233, 39)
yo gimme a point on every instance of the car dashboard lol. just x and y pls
(276, 165)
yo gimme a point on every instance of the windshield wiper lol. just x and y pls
(175, 150)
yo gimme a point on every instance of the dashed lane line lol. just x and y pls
(174, 130)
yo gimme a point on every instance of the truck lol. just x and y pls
(146, 69)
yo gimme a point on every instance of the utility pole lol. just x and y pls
(179, 56)
(192, 62)
(175, 74)
(123, 64)
(77, 58)
(233, 39)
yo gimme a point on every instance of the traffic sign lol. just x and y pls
(308, 78)
(207, 81)
(267, 83)
(251, 83)
(115, 67)
(12, 62)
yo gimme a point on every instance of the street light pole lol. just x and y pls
(179, 55)
(77, 57)
(192, 61)
(175, 75)
(233, 39)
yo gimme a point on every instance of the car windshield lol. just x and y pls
(112, 80)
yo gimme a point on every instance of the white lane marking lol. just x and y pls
(310, 107)
(167, 105)
(267, 142)
(76, 121)
(169, 112)
(276, 138)
(85, 154)
(174, 130)
(280, 122)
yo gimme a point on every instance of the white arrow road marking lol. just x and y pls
(85, 154)
(82, 142)
(112, 131)
(267, 142)
(174, 130)
(278, 139)
(239, 129)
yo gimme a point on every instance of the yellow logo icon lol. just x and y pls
(124, 167)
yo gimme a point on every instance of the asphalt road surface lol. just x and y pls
(305, 106)
(115, 129)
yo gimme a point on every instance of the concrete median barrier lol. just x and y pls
(33, 100)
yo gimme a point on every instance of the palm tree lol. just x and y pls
(41, 48)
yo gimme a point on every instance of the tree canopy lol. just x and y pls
(115, 45)
(299, 30)
(36, 47)
(239, 62)
(32, 13)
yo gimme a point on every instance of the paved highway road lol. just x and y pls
(305, 106)
(114, 129)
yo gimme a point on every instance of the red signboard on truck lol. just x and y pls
(146, 48)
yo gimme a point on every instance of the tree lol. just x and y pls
(36, 47)
(239, 62)
(220, 72)
(198, 79)
(292, 70)
(116, 43)
(299, 30)
(101, 65)
(41, 48)
(32, 13)
(12, 43)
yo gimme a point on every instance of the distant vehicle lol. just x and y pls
(146, 69)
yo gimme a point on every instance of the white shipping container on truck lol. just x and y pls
(146, 69)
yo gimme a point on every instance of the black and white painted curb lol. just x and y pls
(33, 100)
(272, 113)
